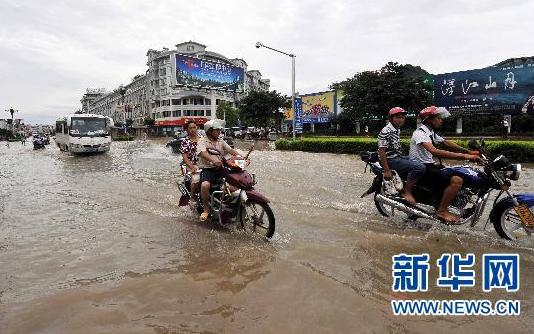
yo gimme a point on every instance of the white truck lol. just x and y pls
(84, 133)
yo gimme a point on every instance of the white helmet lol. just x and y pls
(214, 124)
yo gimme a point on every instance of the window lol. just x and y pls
(201, 113)
(157, 104)
(185, 101)
(217, 101)
(190, 48)
(208, 102)
(187, 112)
(208, 113)
(166, 103)
(176, 102)
(176, 113)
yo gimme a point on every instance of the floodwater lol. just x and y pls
(98, 244)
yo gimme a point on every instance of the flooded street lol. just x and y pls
(98, 244)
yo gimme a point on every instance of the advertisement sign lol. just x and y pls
(201, 73)
(318, 107)
(298, 115)
(492, 90)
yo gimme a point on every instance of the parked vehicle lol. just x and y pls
(84, 133)
(237, 132)
(510, 215)
(245, 207)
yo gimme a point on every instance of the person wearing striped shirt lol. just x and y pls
(391, 157)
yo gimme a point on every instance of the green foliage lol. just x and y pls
(262, 108)
(149, 121)
(129, 122)
(231, 113)
(516, 151)
(126, 137)
(370, 94)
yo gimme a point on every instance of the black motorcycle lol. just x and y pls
(511, 215)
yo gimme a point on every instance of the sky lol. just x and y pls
(51, 51)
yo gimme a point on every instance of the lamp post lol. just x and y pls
(260, 45)
(12, 111)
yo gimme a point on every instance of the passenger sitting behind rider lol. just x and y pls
(188, 149)
(390, 153)
(422, 148)
(209, 163)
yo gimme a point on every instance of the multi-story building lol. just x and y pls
(91, 94)
(159, 96)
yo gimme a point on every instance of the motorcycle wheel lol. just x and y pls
(258, 217)
(506, 221)
(384, 210)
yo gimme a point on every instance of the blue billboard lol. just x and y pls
(491, 90)
(201, 73)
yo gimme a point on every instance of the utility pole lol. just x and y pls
(12, 112)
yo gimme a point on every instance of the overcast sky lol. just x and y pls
(53, 50)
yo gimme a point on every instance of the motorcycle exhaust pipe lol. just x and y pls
(184, 190)
(399, 206)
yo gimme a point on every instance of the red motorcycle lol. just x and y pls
(245, 207)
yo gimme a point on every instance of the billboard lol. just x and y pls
(491, 90)
(318, 107)
(201, 73)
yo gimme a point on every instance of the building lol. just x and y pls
(89, 97)
(17, 127)
(171, 95)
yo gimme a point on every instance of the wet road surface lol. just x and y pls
(98, 244)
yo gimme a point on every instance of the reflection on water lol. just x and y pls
(101, 237)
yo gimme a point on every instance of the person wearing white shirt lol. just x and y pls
(423, 149)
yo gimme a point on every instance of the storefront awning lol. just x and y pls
(181, 121)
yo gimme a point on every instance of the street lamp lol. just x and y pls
(12, 111)
(260, 45)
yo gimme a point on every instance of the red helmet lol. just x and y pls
(433, 110)
(396, 111)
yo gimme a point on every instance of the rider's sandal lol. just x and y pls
(203, 217)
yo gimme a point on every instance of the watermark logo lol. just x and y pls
(410, 272)
(455, 271)
(501, 271)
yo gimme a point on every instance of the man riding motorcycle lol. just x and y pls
(422, 148)
(211, 165)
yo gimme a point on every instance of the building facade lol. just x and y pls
(156, 94)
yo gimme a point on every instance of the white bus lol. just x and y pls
(84, 133)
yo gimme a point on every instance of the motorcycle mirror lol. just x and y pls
(250, 150)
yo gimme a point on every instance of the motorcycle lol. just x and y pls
(38, 143)
(245, 207)
(512, 215)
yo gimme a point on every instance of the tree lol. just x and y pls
(149, 121)
(370, 94)
(262, 108)
(231, 113)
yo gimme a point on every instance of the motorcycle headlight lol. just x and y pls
(516, 172)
